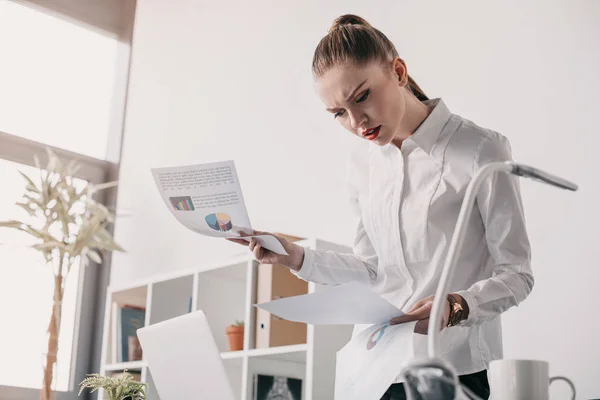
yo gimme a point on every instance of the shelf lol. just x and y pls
(293, 353)
(229, 355)
(226, 291)
(130, 365)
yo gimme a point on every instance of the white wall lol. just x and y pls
(212, 82)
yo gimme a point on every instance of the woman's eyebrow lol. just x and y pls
(351, 95)
(356, 90)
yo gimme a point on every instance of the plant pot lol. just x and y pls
(236, 337)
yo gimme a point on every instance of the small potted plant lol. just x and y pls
(235, 332)
(122, 387)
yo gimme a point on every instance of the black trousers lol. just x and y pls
(477, 382)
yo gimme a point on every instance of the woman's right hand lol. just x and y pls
(293, 260)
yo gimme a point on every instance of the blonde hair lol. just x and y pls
(352, 39)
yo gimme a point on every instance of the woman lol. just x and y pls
(407, 184)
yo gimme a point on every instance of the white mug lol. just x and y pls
(522, 379)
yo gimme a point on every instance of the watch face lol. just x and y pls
(457, 316)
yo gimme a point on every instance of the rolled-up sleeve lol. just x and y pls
(331, 268)
(501, 207)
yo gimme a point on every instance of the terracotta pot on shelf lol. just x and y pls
(236, 337)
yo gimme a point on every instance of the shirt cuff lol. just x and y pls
(307, 265)
(470, 300)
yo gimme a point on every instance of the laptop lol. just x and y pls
(184, 360)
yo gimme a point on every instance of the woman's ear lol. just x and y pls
(400, 71)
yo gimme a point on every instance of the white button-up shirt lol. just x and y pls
(406, 203)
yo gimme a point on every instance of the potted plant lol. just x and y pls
(68, 227)
(123, 387)
(235, 332)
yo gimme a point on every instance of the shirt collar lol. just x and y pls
(429, 131)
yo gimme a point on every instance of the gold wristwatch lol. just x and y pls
(456, 312)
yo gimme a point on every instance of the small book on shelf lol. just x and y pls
(127, 319)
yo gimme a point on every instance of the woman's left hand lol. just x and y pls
(420, 312)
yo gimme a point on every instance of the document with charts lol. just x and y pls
(207, 198)
(372, 360)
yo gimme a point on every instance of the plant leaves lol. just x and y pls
(45, 185)
(32, 200)
(54, 164)
(30, 185)
(47, 255)
(27, 208)
(72, 167)
(39, 233)
(103, 186)
(88, 229)
(118, 388)
(66, 217)
(12, 224)
(49, 245)
(94, 256)
(106, 244)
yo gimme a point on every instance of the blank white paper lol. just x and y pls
(346, 304)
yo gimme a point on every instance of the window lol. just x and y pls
(57, 80)
(26, 296)
(62, 84)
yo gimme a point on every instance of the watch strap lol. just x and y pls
(456, 312)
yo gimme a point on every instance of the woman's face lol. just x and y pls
(369, 101)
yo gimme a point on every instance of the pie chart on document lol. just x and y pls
(376, 336)
(219, 222)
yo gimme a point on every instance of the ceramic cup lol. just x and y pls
(522, 379)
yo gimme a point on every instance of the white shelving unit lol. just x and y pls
(226, 292)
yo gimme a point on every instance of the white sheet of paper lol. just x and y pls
(347, 304)
(269, 242)
(372, 360)
(207, 199)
